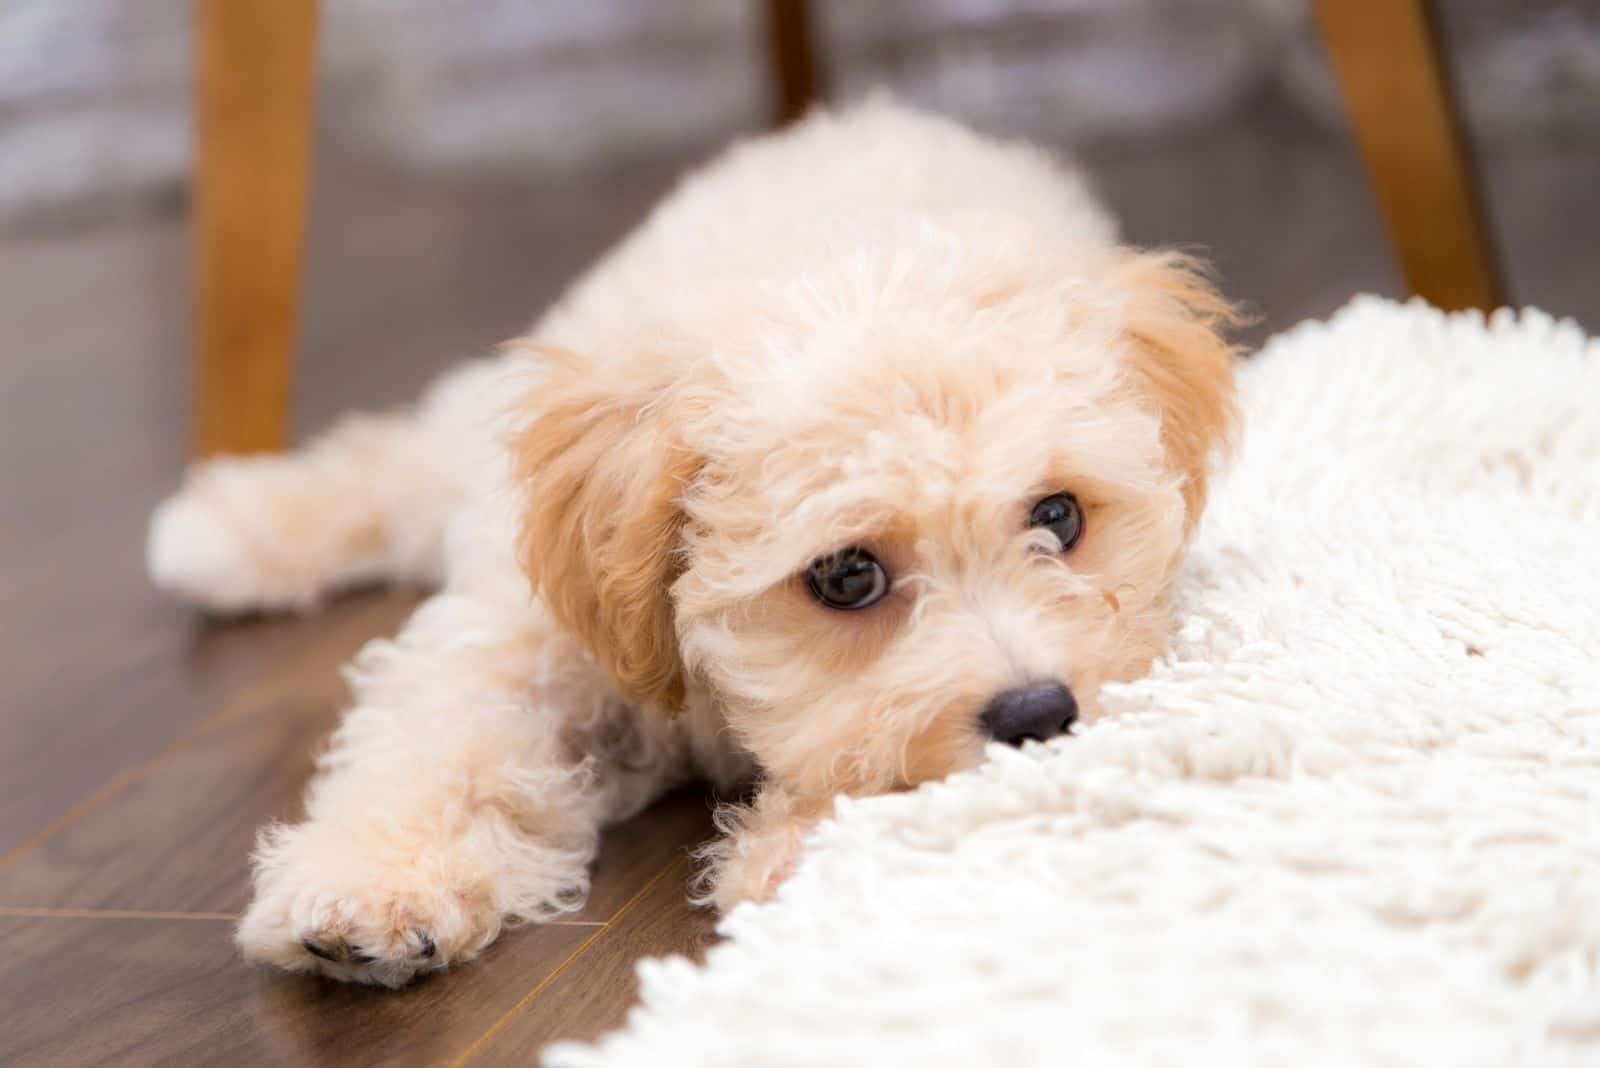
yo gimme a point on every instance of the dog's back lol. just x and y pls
(778, 210)
(371, 501)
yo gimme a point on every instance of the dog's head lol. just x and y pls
(882, 524)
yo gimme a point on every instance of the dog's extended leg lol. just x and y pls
(367, 501)
(464, 790)
(759, 848)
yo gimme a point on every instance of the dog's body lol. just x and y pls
(871, 422)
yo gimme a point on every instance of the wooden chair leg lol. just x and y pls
(1390, 61)
(255, 73)
(792, 59)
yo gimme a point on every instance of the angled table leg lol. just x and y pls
(796, 74)
(254, 89)
(1390, 62)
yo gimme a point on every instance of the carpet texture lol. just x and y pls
(1353, 818)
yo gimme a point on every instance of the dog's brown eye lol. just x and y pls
(847, 579)
(1062, 515)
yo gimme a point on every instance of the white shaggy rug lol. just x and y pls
(1354, 818)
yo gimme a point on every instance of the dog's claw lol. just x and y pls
(339, 952)
(320, 952)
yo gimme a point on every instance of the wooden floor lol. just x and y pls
(140, 747)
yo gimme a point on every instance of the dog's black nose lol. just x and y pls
(1038, 711)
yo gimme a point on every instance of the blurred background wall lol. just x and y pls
(94, 93)
(474, 156)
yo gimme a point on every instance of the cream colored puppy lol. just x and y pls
(869, 448)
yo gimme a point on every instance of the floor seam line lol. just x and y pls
(531, 996)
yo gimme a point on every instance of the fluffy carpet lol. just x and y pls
(1353, 819)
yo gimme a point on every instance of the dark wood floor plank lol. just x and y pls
(633, 853)
(172, 992)
(178, 839)
(173, 835)
(121, 690)
(593, 996)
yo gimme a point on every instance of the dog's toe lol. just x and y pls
(391, 965)
(378, 924)
(335, 952)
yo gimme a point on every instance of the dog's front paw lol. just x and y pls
(376, 923)
(761, 852)
(756, 876)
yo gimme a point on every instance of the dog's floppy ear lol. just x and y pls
(1180, 361)
(601, 473)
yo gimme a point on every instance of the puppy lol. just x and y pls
(870, 447)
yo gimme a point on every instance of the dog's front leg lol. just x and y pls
(451, 800)
(761, 846)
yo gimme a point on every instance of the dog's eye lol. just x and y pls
(1062, 515)
(847, 579)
